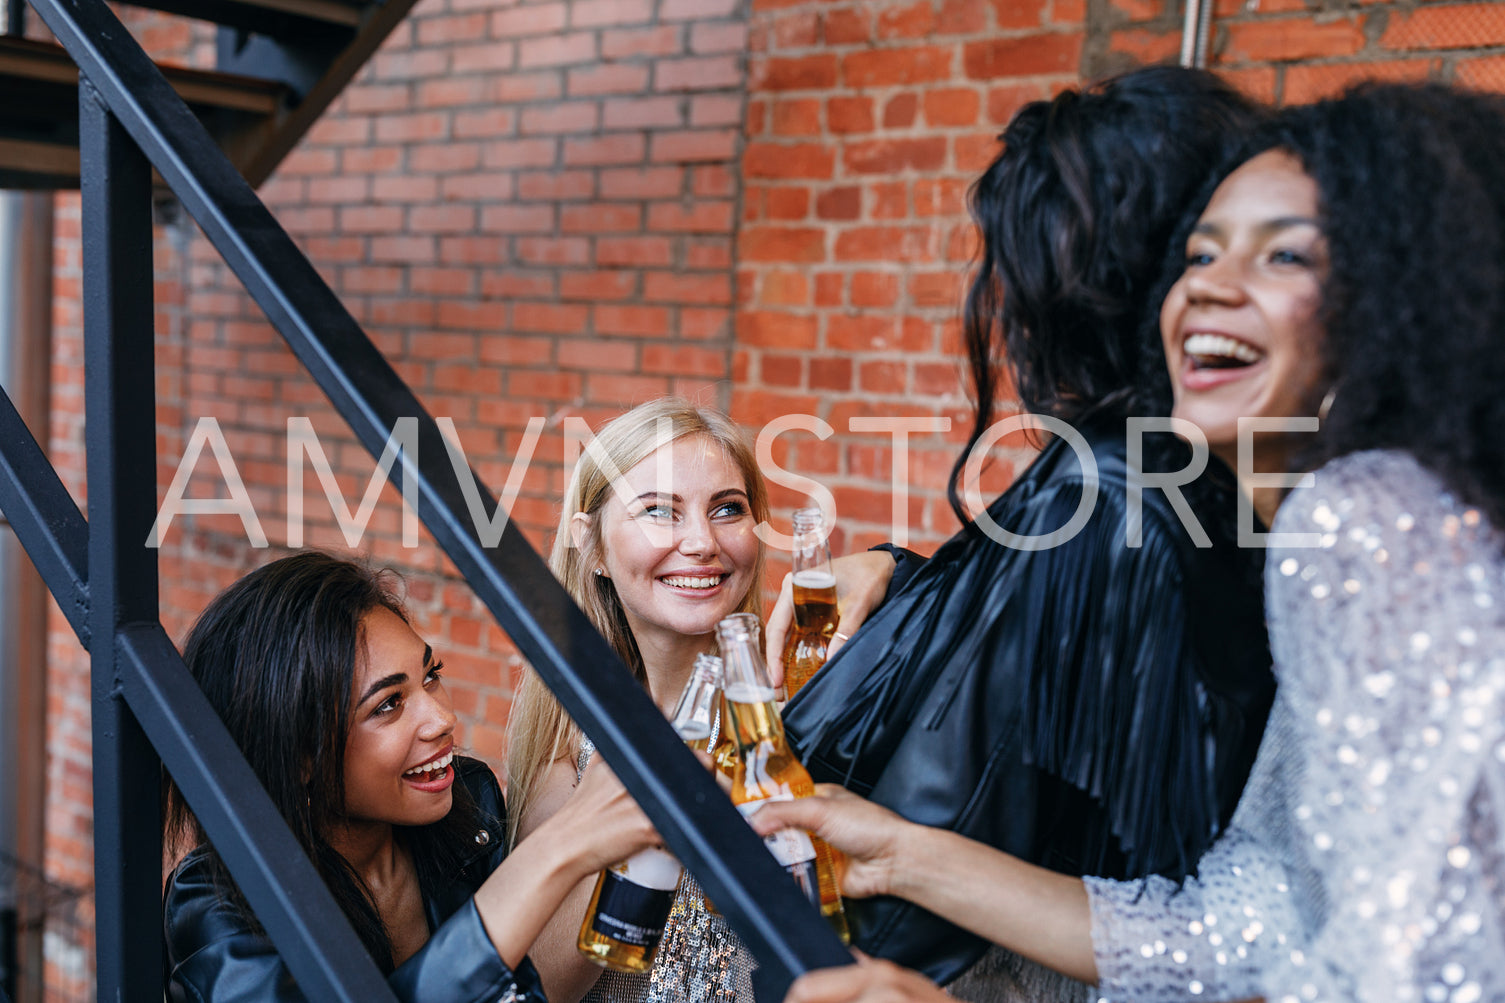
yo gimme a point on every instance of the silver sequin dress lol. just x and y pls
(1366, 860)
(699, 960)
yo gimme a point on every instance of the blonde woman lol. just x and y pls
(656, 543)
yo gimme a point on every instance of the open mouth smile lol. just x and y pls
(1219, 351)
(434, 775)
(694, 583)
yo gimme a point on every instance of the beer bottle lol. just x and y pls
(767, 770)
(815, 616)
(625, 919)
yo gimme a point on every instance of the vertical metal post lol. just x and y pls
(120, 429)
(1196, 31)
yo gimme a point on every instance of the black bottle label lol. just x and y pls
(631, 913)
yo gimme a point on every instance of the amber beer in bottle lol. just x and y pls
(767, 770)
(630, 906)
(815, 616)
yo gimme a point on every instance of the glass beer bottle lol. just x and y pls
(767, 770)
(815, 616)
(628, 910)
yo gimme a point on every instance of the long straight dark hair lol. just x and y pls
(275, 654)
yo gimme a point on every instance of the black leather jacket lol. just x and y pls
(1093, 707)
(215, 956)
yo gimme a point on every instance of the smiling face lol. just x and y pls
(677, 542)
(1240, 327)
(402, 728)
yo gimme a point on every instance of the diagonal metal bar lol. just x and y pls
(119, 425)
(278, 880)
(47, 522)
(691, 812)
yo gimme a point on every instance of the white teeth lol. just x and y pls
(693, 583)
(1220, 345)
(433, 767)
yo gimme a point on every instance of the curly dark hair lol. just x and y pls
(1411, 198)
(1075, 214)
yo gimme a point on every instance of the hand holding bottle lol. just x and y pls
(861, 583)
(870, 836)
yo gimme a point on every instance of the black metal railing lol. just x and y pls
(146, 710)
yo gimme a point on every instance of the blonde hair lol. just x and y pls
(541, 732)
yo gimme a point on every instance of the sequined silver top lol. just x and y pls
(1366, 860)
(699, 959)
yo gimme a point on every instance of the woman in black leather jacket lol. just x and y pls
(340, 710)
(1045, 684)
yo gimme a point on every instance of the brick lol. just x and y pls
(568, 116)
(1486, 73)
(831, 374)
(633, 251)
(608, 78)
(558, 50)
(697, 73)
(517, 283)
(940, 196)
(695, 10)
(1018, 57)
(599, 354)
(518, 87)
(915, 20)
(896, 67)
(1308, 83)
(598, 217)
(642, 113)
(697, 217)
(844, 203)
(450, 92)
(776, 329)
(664, 40)
(847, 115)
(529, 19)
(716, 109)
(784, 244)
(609, 13)
(513, 153)
(718, 37)
(414, 127)
(485, 123)
(874, 289)
(1291, 39)
(961, 17)
(1019, 13)
(784, 288)
(641, 182)
(617, 148)
(796, 117)
(1445, 26)
(703, 323)
(483, 58)
(972, 153)
(796, 29)
(377, 98)
(888, 200)
(847, 26)
(684, 360)
(890, 156)
(787, 204)
(786, 160)
(781, 370)
(830, 289)
(693, 145)
(628, 319)
(485, 187)
(552, 250)
(952, 106)
(794, 74)
(1147, 46)
(1258, 82)
(886, 243)
(598, 285)
(442, 219)
(444, 157)
(1071, 14)
(505, 219)
(936, 289)
(551, 318)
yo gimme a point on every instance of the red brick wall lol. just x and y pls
(564, 207)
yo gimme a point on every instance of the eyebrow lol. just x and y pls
(1268, 226)
(395, 678)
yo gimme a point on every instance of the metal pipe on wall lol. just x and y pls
(1196, 31)
(26, 220)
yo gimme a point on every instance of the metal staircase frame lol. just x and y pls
(147, 711)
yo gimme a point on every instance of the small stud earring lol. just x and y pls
(1327, 404)
(600, 572)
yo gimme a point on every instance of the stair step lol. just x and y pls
(278, 18)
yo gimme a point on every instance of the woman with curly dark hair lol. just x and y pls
(1354, 268)
(1087, 701)
(341, 712)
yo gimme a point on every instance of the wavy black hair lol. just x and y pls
(1411, 198)
(1075, 214)
(275, 654)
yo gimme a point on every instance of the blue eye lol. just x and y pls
(1196, 258)
(1286, 256)
(660, 511)
(729, 510)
